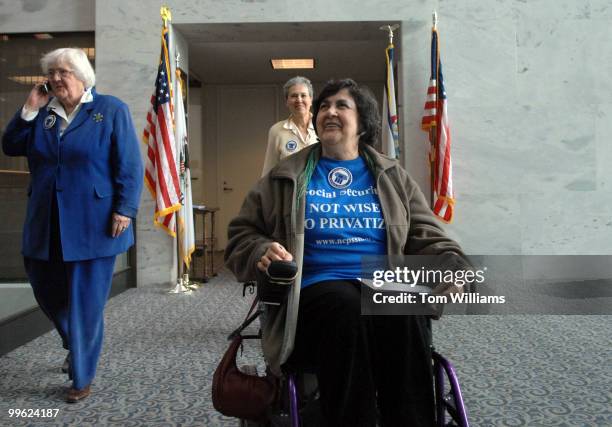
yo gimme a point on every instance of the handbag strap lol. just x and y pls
(253, 305)
(247, 321)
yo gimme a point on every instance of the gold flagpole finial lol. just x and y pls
(165, 14)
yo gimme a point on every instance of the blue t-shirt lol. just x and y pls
(343, 221)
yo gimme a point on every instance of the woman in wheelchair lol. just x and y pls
(326, 207)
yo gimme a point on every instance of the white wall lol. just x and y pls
(528, 101)
(44, 16)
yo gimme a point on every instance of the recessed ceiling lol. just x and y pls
(241, 53)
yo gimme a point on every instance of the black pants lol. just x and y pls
(364, 361)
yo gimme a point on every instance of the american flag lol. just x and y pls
(435, 121)
(161, 175)
(390, 134)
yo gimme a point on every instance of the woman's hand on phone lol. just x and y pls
(37, 98)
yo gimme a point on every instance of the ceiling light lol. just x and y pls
(292, 64)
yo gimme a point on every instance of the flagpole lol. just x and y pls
(166, 15)
(183, 268)
(180, 287)
(390, 131)
(179, 258)
(433, 133)
(180, 280)
(389, 29)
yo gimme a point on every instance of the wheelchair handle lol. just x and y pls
(274, 284)
(282, 272)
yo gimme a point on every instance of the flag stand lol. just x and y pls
(180, 288)
(183, 285)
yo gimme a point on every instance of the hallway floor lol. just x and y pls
(161, 350)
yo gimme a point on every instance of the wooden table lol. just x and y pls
(208, 243)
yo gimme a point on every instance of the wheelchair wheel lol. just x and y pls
(448, 403)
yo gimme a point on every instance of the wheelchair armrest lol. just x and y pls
(274, 284)
(282, 272)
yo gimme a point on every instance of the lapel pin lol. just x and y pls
(49, 121)
(98, 117)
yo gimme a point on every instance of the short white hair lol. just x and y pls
(76, 58)
(297, 80)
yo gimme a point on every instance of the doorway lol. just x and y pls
(241, 95)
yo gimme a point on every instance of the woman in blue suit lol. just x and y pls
(86, 179)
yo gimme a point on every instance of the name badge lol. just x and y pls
(291, 145)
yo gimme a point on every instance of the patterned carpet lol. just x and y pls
(161, 349)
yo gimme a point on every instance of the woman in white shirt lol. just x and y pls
(296, 132)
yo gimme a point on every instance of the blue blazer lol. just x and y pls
(94, 169)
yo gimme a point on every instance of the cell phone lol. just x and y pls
(45, 88)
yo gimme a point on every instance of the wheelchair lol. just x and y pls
(297, 403)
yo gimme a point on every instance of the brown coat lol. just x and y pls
(269, 213)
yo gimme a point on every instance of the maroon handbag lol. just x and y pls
(237, 394)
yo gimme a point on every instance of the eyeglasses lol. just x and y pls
(62, 73)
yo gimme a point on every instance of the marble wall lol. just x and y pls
(528, 102)
(21, 16)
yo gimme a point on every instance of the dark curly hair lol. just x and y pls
(367, 107)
